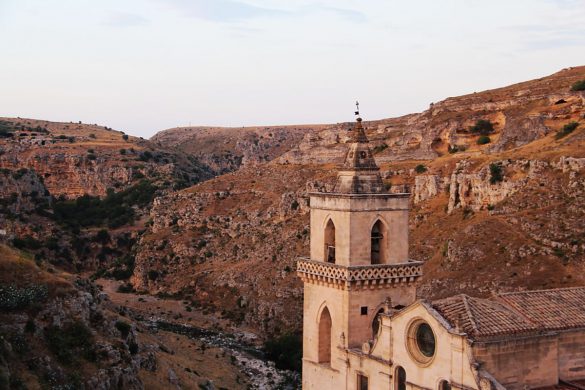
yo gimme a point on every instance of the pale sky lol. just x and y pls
(141, 66)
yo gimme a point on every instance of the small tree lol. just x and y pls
(567, 129)
(483, 139)
(578, 86)
(420, 168)
(102, 236)
(483, 127)
(125, 137)
(496, 174)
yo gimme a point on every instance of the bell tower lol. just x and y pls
(358, 264)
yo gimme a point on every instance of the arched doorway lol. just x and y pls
(400, 379)
(378, 243)
(325, 337)
(330, 242)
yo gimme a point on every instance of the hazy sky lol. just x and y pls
(144, 65)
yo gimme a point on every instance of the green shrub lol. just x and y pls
(92, 135)
(102, 236)
(114, 210)
(133, 348)
(124, 268)
(379, 148)
(145, 156)
(27, 242)
(285, 351)
(496, 174)
(125, 137)
(70, 341)
(483, 139)
(19, 174)
(124, 328)
(420, 168)
(30, 326)
(483, 127)
(125, 288)
(122, 151)
(578, 86)
(14, 298)
(456, 148)
(567, 129)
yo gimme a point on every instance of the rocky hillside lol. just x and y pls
(63, 183)
(497, 182)
(58, 332)
(75, 159)
(520, 114)
(225, 150)
(229, 244)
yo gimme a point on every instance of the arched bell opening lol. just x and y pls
(330, 242)
(378, 243)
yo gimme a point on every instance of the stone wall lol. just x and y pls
(520, 362)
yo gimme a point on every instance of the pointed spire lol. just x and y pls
(359, 173)
(358, 134)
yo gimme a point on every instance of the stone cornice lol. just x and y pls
(358, 196)
(359, 277)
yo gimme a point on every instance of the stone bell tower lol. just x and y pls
(358, 265)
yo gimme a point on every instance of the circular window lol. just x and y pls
(425, 340)
(421, 342)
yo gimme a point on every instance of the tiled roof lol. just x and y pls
(562, 308)
(515, 313)
(481, 317)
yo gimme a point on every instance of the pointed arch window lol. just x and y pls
(330, 242)
(325, 337)
(378, 241)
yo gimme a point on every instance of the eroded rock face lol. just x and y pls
(428, 186)
(476, 191)
(21, 190)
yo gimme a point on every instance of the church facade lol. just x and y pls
(364, 328)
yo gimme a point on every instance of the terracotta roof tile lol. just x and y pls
(515, 313)
(482, 317)
(557, 309)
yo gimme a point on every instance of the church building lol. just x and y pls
(364, 328)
